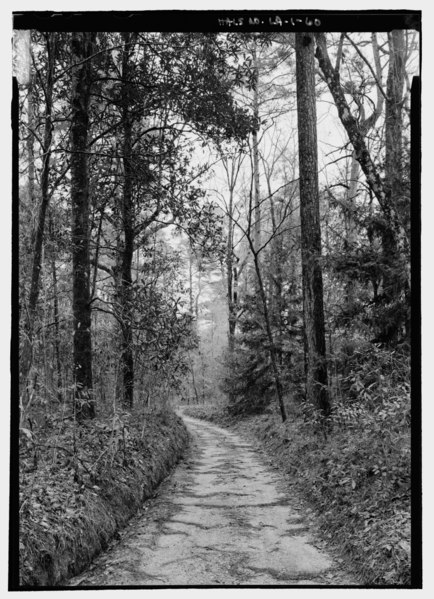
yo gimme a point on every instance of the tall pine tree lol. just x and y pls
(314, 337)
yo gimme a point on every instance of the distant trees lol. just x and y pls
(126, 211)
(118, 132)
(232, 165)
(28, 318)
(349, 240)
(389, 190)
(115, 157)
(260, 353)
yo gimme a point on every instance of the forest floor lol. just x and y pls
(354, 482)
(223, 518)
(79, 486)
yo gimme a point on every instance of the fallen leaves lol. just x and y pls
(68, 510)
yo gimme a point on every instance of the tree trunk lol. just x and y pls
(81, 46)
(230, 275)
(365, 124)
(388, 191)
(31, 137)
(263, 308)
(190, 279)
(272, 347)
(232, 167)
(128, 229)
(277, 276)
(393, 172)
(350, 228)
(26, 357)
(56, 321)
(256, 189)
(316, 369)
(256, 186)
(354, 132)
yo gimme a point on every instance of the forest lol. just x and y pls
(219, 226)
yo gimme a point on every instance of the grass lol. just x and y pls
(79, 485)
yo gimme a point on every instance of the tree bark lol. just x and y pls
(350, 228)
(232, 168)
(366, 124)
(81, 47)
(393, 163)
(256, 188)
(316, 369)
(277, 276)
(263, 306)
(272, 348)
(230, 275)
(354, 132)
(56, 321)
(386, 191)
(26, 356)
(256, 184)
(127, 212)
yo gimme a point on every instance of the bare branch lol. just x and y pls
(368, 64)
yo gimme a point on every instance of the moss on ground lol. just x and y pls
(356, 479)
(80, 484)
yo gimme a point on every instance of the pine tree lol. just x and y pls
(314, 337)
(81, 50)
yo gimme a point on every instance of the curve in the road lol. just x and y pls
(220, 519)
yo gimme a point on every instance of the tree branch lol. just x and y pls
(349, 122)
(367, 63)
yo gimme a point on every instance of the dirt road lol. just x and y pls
(222, 518)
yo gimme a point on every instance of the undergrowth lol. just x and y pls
(355, 474)
(79, 484)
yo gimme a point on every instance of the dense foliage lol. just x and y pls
(353, 465)
(366, 280)
(354, 476)
(111, 194)
(183, 235)
(98, 477)
(151, 98)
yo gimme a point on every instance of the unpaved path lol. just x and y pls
(221, 518)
